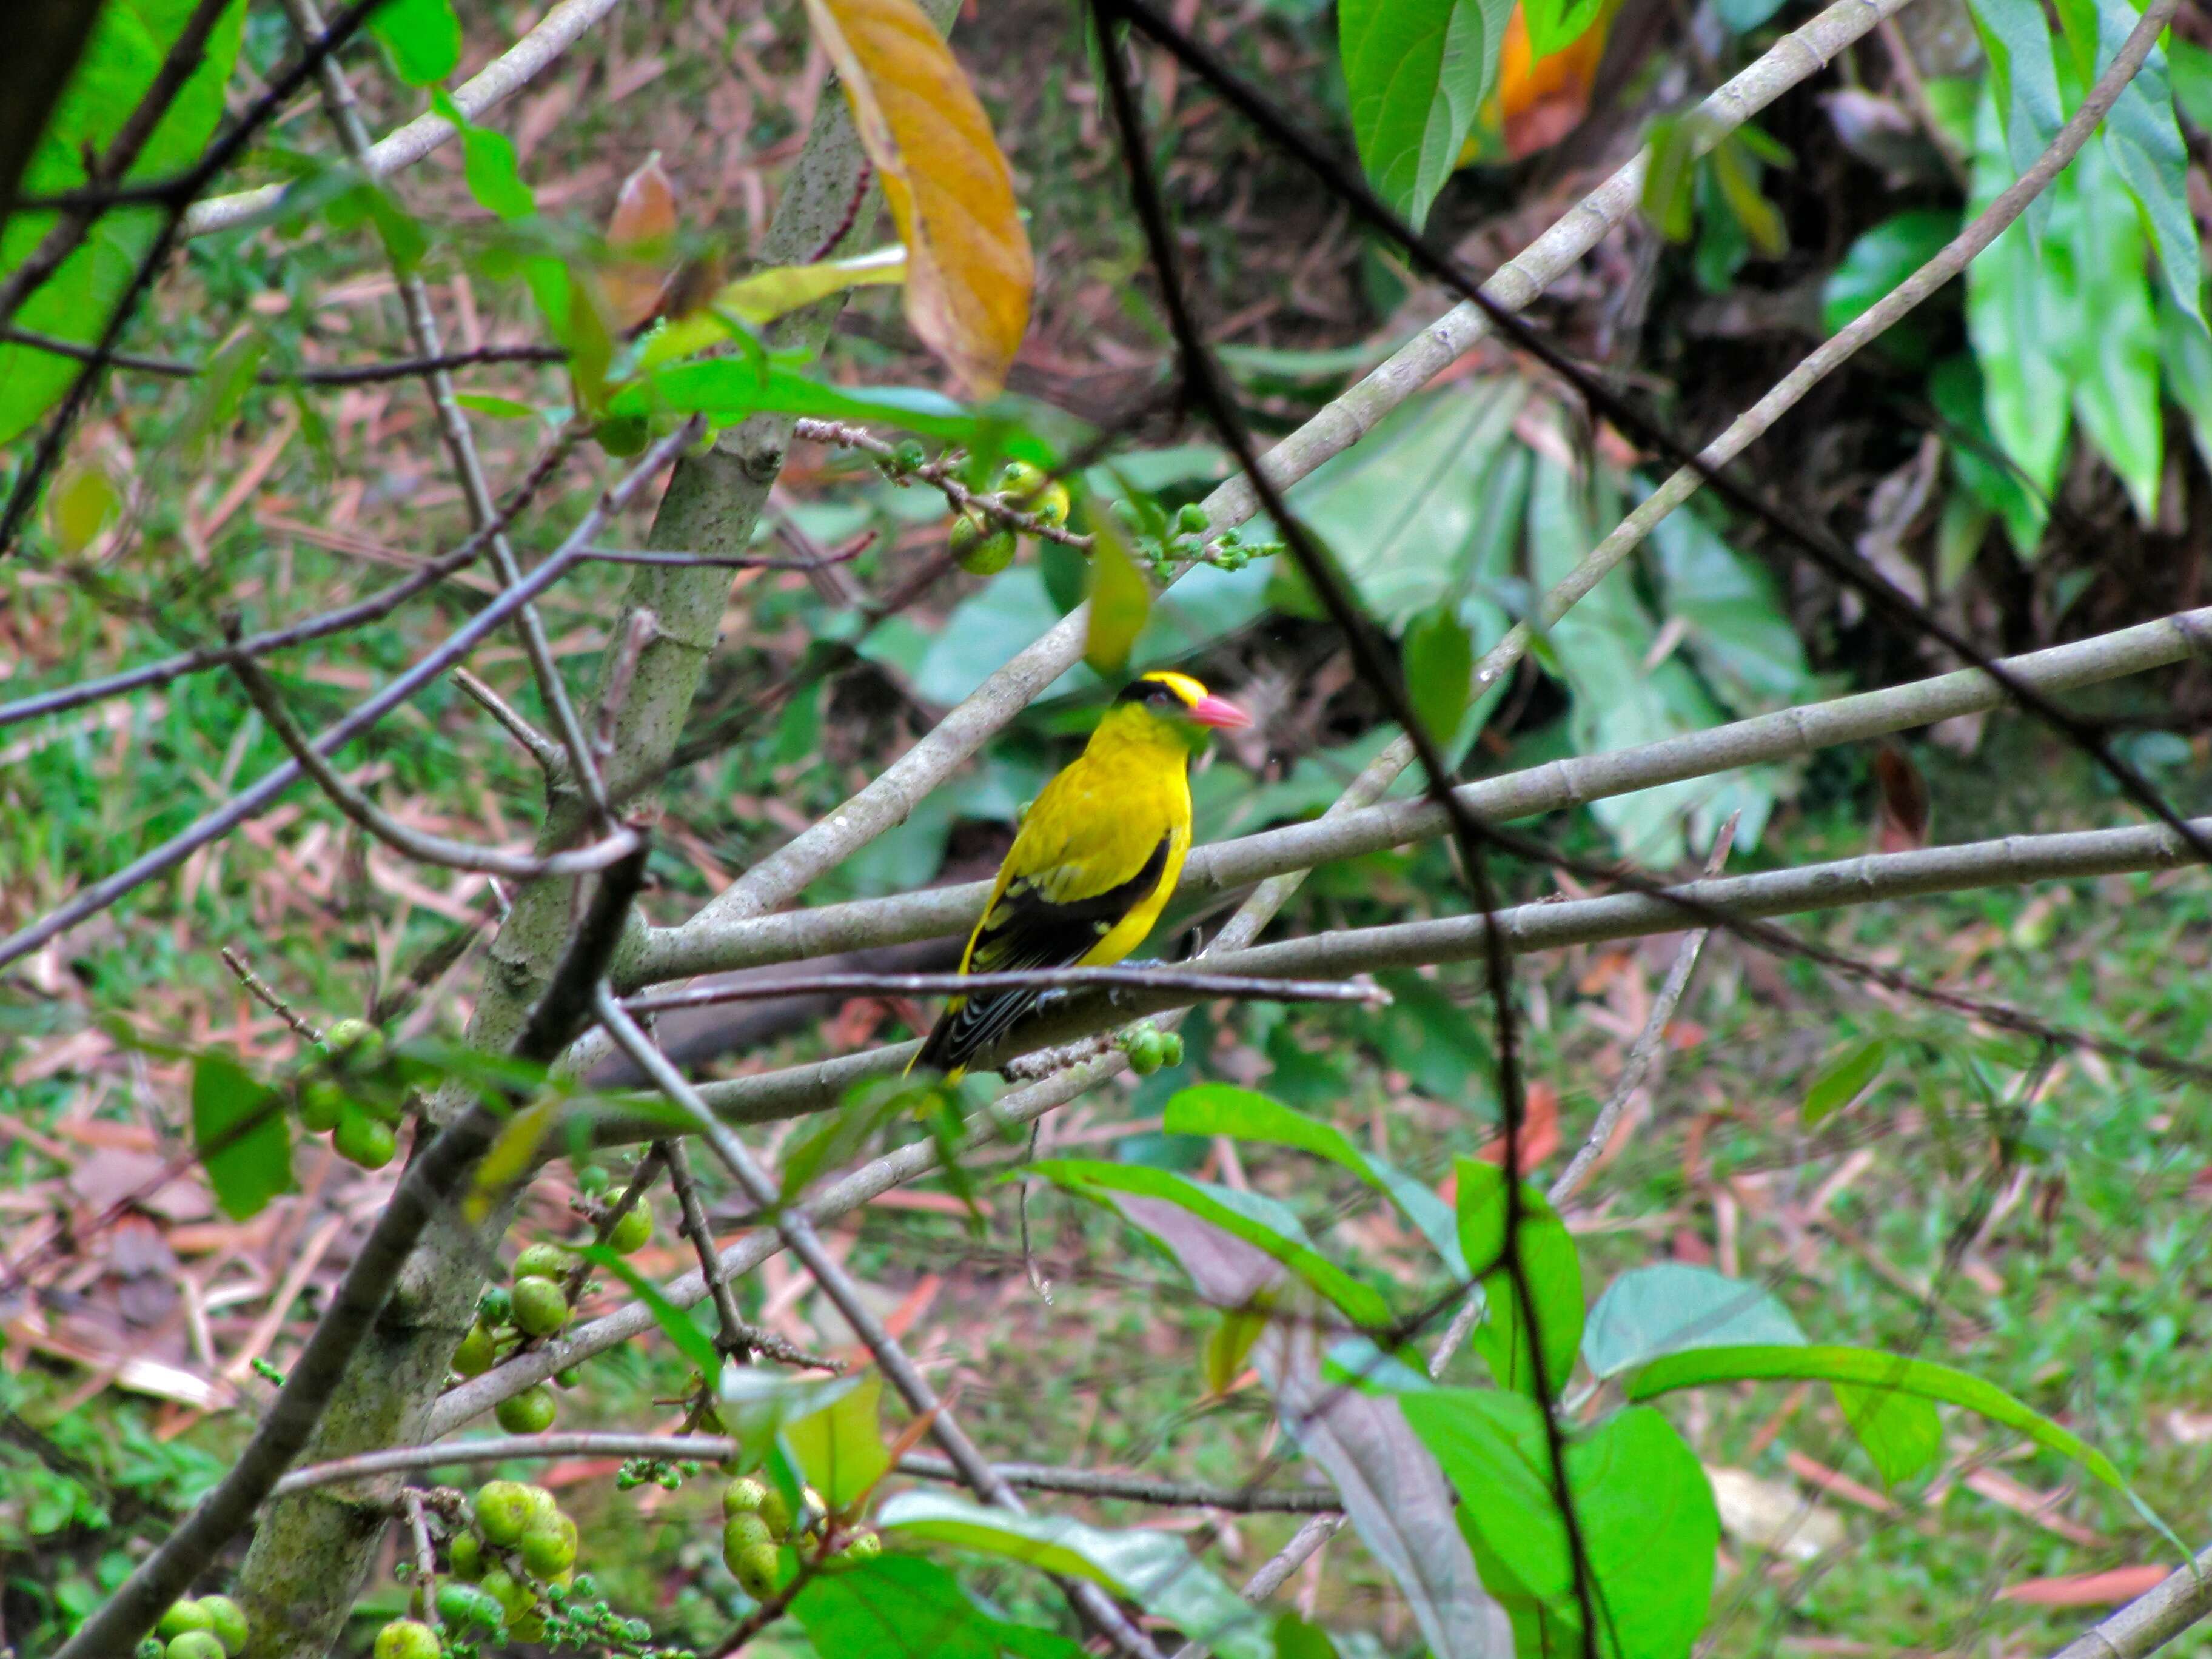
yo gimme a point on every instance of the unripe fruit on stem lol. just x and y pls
(757, 1570)
(503, 1510)
(183, 1616)
(227, 1620)
(463, 1605)
(407, 1639)
(1028, 490)
(623, 435)
(514, 1598)
(464, 1561)
(360, 1139)
(741, 1533)
(743, 1496)
(981, 547)
(543, 1506)
(864, 1547)
(195, 1645)
(530, 1412)
(322, 1103)
(361, 1044)
(540, 1308)
(568, 1375)
(776, 1509)
(549, 1546)
(495, 1307)
(1171, 1048)
(544, 1262)
(591, 1180)
(474, 1356)
(632, 1231)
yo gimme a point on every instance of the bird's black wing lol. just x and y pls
(1024, 930)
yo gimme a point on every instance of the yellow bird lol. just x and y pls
(1094, 863)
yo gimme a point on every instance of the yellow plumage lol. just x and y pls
(1095, 861)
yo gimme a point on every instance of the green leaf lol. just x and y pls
(1545, 1252)
(693, 1344)
(901, 1607)
(757, 1406)
(841, 1447)
(2144, 143)
(1415, 74)
(729, 389)
(1644, 1511)
(2115, 352)
(1223, 1108)
(1735, 172)
(1871, 1368)
(1956, 387)
(1555, 24)
(2191, 66)
(755, 301)
(1844, 1080)
(1738, 628)
(499, 408)
(1120, 599)
(1668, 200)
(1900, 1431)
(1670, 1306)
(2186, 352)
(129, 41)
(422, 36)
(487, 162)
(2023, 83)
(1246, 1217)
(1150, 1568)
(242, 1136)
(1880, 259)
(1228, 1346)
(2021, 319)
(1439, 667)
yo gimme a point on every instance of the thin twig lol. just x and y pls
(253, 801)
(397, 368)
(268, 995)
(1648, 1040)
(503, 1448)
(736, 1334)
(2153, 1619)
(638, 632)
(425, 1558)
(405, 838)
(547, 753)
(1135, 1488)
(798, 1232)
(731, 561)
(1178, 980)
(942, 476)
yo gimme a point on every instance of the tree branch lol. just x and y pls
(2153, 1619)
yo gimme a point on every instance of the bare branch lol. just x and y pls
(543, 749)
(736, 1334)
(397, 368)
(2152, 1619)
(941, 475)
(267, 996)
(1134, 1488)
(931, 985)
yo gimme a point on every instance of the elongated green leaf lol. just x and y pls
(129, 42)
(1120, 600)
(1900, 1431)
(1670, 1306)
(240, 1132)
(1415, 73)
(1644, 1511)
(2185, 349)
(1150, 1568)
(488, 163)
(1439, 668)
(1843, 1081)
(1546, 1253)
(2144, 143)
(1882, 259)
(1556, 24)
(2024, 82)
(422, 36)
(901, 1607)
(2115, 353)
(1245, 1217)
(729, 389)
(1871, 1368)
(1956, 387)
(760, 298)
(841, 1447)
(1223, 1108)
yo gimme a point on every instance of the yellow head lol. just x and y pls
(1169, 709)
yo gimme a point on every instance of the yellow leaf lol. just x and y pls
(1228, 1346)
(1120, 599)
(951, 192)
(508, 1163)
(80, 506)
(765, 295)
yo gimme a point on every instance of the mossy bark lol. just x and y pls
(312, 1553)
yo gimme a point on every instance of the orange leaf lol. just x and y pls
(2087, 1589)
(969, 269)
(641, 233)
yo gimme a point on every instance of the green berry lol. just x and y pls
(1171, 1048)
(503, 1511)
(474, 1356)
(623, 434)
(776, 1509)
(544, 1262)
(1145, 1049)
(756, 1571)
(361, 1139)
(150, 1647)
(540, 1307)
(407, 1639)
(227, 1620)
(1190, 519)
(463, 1605)
(322, 1103)
(632, 1231)
(464, 1559)
(1032, 492)
(543, 1506)
(592, 1179)
(741, 1533)
(980, 548)
(569, 1376)
(530, 1412)
(183, 1616)
(195, 1645)
(496, 1308)
(514, 1598)
(549, 1547)
(743, 1496)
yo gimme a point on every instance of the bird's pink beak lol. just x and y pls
(1219, 713)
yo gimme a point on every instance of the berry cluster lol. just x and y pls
(211, 1627)
(758, 1519)
(982, 542)
(536, 1307)
(655, 1471)
(1164, 543)
(1149, 1048)
(355, 1094)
